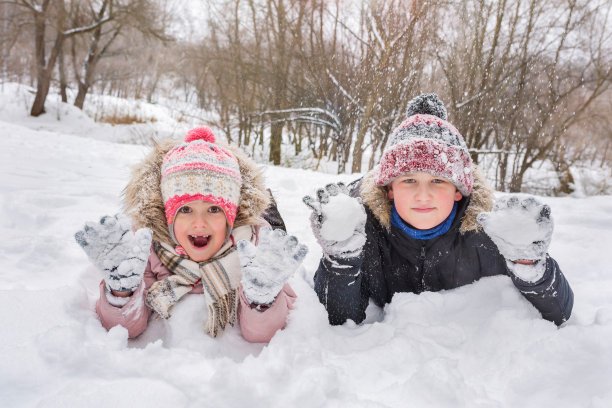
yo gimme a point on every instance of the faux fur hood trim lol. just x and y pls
(375, 197)
(143, 202)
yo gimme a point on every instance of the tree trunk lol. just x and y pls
(62, 75)
(89, 66)
(503, 169)
(276, 138)
(153, 86)
(341, 155)
(566, 179)
(345, 152)
(43, 83)
(363, 128)
(44, 68)
(42, 79)
(516, 181)
(79, 101)
(85, 83)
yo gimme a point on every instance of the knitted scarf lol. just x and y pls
(439, 229)
(220, 277)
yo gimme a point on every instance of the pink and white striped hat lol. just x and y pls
(199, 169)
(427, 142)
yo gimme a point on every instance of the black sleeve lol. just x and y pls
(272, 216)
(338, 284)
(551, 295)
(342, 285)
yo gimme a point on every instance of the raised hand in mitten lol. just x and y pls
(522, 230)
(267, 266)
(118, 252)
(337, 221)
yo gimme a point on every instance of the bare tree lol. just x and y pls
(48, 13)
(111, 19)
(279, 58)
(515, 83)
(565, 86)
(235, 63)
(390, 43)
(13, 24)
(322, 98)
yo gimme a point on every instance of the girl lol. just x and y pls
(197, 210)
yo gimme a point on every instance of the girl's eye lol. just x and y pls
(185, 209)
(438, 181)
(214, 209)
(408, 180)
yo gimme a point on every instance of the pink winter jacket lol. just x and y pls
(256, 326)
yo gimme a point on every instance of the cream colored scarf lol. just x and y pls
(220, 277)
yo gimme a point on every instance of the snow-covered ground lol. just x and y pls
(481, 345)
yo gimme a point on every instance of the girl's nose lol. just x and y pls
(199, 220)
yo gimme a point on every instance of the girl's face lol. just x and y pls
(200, 228)
(423, 200)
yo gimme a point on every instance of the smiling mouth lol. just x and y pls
(423, 210)
(199, 241)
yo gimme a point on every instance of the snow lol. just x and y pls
(479, 345)
(267, 266)
(517, 228)
(115, 249)
(348, 213)
(521, 227)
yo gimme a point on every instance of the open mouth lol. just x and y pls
(199, 241)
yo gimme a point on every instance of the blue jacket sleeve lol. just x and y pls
(338, 284)
(551, 295)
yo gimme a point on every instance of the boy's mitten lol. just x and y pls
(338, 221)
(522, 230)
(267, 266)
(120, 253)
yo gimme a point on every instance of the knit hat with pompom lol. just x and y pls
(426, 142)
(199, 169)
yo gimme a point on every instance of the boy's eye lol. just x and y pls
(185, 209)
(408, 180)
(438, 181)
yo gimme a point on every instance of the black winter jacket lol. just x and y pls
(393, 262)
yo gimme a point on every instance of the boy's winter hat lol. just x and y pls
(199, 169)
(426, 142)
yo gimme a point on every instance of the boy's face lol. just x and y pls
(423, 200)
(200, 228)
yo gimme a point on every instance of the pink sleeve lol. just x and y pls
(259, 327)
(134, 315)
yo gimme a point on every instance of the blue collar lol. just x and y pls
(440, 229)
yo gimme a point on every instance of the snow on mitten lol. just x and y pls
(118, 252)
(267, 266)
(337, 221)
(522, 230)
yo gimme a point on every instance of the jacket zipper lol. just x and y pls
(421, 283)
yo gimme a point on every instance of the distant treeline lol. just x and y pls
(524, 81)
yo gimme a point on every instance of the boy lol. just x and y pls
(421, 228)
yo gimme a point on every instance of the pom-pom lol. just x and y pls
(428, 104)
(200, 133)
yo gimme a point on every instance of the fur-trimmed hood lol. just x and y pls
(143, 202)
(375, 198)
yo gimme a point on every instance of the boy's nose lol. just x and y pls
(422, 191)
